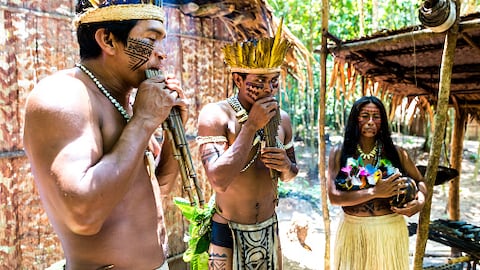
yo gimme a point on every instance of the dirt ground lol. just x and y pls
(302, 227)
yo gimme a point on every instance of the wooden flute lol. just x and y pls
(270, 137)
(173, 125)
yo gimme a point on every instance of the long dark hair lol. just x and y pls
(352, 133)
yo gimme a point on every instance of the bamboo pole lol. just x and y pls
(321, 133)
(439, 132)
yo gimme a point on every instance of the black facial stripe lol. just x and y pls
(139, 52)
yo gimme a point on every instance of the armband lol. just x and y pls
(210, 139)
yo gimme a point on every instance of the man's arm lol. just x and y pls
(83, 174)
(222, 162)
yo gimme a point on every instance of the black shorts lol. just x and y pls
(221, 235)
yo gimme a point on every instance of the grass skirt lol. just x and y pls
(372, 243)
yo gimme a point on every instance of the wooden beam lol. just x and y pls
(418, 36)
(470, 41)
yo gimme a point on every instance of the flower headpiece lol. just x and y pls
(119, 10)
(261, 56)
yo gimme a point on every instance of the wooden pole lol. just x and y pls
(439, 132)
(321, 132)
(456, 163)
(477, 163)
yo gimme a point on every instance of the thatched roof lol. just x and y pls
(407, 62)
(248, 19)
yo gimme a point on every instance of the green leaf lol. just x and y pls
(199, 229)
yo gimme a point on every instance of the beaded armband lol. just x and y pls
(210, 139)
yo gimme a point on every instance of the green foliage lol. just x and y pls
(303, 19)
(199, 230)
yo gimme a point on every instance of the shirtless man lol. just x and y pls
(93, 154)
(238, 167)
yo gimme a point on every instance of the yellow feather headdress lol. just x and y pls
(265, 55)
(120, 10)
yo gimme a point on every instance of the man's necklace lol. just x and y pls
(100, 86)
(369, 155)
(123, 112)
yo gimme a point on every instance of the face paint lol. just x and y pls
(253, 89)
(139, 52)
(369, 120)
(366, 116)
(260, 86)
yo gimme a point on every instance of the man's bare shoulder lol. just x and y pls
(215, 113)
(57, 111)
(59, 91)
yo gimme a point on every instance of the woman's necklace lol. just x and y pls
(123, 112)
(369, 155)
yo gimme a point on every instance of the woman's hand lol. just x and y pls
(411, 208)
(386, 188)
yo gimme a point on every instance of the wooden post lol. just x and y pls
(456, 163)
(439, 132)
(321, 132)
(477, 163)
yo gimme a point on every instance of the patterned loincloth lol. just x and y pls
(257, 246)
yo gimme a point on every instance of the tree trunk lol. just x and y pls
(438, 135)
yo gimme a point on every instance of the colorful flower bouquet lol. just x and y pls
(356, 175)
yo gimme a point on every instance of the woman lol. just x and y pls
(372, 233)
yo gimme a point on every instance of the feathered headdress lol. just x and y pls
(91, 11)
(260, 56)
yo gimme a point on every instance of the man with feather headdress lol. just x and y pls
(245, 143)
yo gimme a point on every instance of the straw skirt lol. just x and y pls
(372, 243)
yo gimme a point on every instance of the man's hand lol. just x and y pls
(156, 97)
(275, 158)
(262, 111)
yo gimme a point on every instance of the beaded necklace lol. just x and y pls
(123, 112)
(369, 155)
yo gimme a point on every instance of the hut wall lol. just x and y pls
(36, 39)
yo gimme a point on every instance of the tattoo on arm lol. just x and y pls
(210, 152)
(217, 261)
